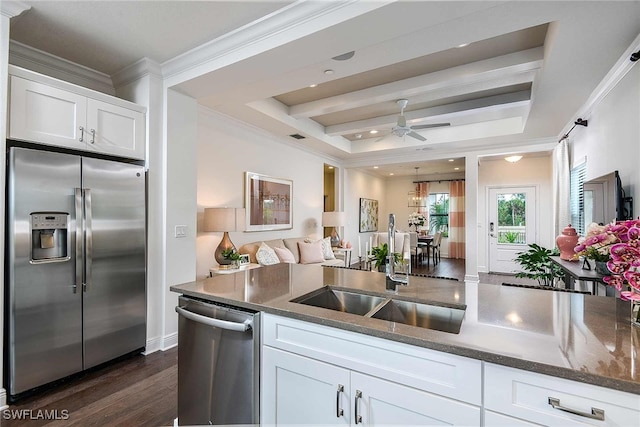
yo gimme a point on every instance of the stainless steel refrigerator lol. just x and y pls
(76, 267)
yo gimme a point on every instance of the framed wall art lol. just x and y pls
(368, 215)
(268, 202)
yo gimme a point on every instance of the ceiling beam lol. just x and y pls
(491, 72)
(504, 101)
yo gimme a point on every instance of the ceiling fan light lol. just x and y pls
(513, 159)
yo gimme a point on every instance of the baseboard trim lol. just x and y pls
(161, 343)
(170, 341)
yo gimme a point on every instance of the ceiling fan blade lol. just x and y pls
(417, 136)
(434, 125)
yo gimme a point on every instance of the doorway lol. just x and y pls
(512, 225)
(330, 194)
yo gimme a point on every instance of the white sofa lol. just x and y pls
(290, 243)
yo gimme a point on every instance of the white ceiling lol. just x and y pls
(528, 68)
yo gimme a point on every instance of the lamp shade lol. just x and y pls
(223, 219)
(334, 219)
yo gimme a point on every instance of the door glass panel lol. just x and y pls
(512, 219)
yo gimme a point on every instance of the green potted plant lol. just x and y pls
(232, 255)
(380, 254)
(537, 265)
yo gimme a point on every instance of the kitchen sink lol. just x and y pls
(430, 316)
(345, 301)
(440, 318)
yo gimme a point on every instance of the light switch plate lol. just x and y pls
(181, 231)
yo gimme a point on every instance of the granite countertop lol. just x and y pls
(574, 336)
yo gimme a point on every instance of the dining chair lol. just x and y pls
(416, 250)
(435, 247)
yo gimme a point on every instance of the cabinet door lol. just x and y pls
(41, 113)
(296, 390)
(384, 403)
(115, 130)
(493, 419)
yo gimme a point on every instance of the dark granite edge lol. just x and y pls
(460, 350)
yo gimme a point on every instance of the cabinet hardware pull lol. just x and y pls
(358, 417)
(93, 136)
(339, 410)
(81, 134)
(596, 414)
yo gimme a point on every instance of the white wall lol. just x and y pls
(612, 139)
(530, 171)
(226, 150)
(357, 185)
(180, 189)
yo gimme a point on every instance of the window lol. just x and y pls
(576, 197)
(439, 213)
(512, 218)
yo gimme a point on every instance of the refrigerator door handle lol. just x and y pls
(88, 239)
(79, 255)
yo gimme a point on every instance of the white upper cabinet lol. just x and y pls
(47, 112)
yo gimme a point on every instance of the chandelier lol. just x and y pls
(417, 199)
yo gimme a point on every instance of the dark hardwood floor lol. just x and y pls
(137, 391)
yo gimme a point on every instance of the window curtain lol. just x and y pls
(561, 186)
(456, 220)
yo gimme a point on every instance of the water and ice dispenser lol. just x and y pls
(49, 236)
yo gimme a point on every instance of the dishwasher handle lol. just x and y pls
(217, 323)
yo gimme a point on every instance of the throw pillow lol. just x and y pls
(266, 255)
(327, 252)
(285, 255)
(310, 253)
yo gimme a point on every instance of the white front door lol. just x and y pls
(512, 226)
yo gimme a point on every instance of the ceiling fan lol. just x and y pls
(401, 129)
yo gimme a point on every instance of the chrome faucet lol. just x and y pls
(392, 279)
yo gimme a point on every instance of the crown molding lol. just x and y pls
(11, 8)
(620, 69)
(137, 70)
(280, 27)
(42, 62)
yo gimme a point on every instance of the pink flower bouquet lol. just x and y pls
(618, 244)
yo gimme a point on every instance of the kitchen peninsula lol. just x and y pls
(580, 350)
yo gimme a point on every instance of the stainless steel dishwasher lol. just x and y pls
(218, 364)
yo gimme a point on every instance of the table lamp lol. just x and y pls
(334, 219)
(223, 220)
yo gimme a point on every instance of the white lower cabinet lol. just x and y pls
(494, 419)
(382, 403)
(552, 401)
(302, 384)
(299, 390)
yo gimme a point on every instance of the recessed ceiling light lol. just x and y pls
(391, 173)
(328, 72)
(456, 169)
(373, 131)
(358, 135)
(463, 45)
(512, 159)
(375, 167)
(330, 167)
(313, 85)
(451, 160)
